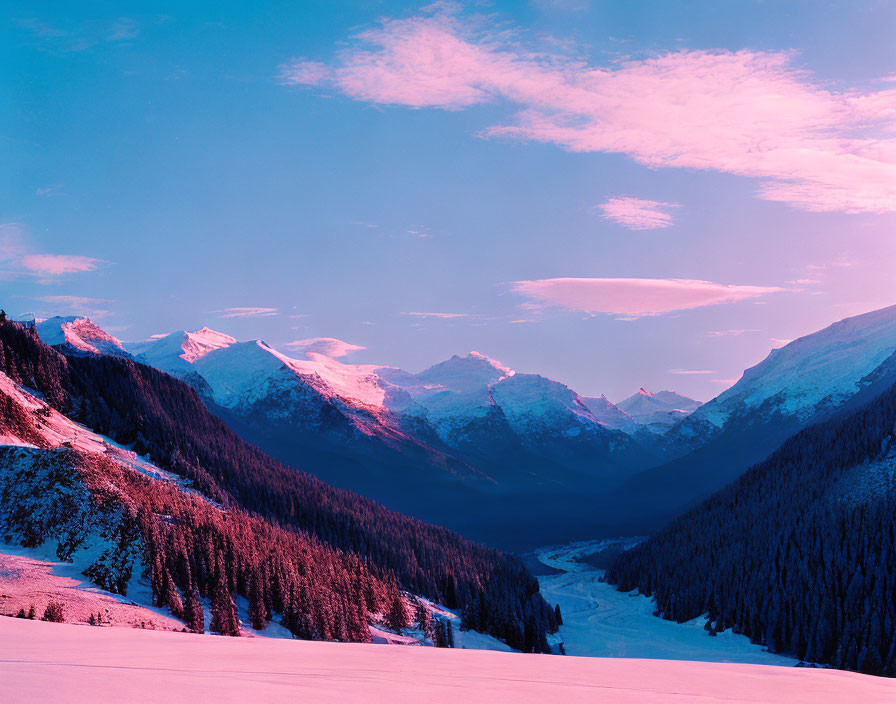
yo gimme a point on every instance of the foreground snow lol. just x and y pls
(61, 662)
(600, 621)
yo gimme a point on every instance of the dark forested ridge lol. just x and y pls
(799, 553)
(164, 418)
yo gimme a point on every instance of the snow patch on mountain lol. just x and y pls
(657, 412)
(535, 404)
(609, 414)
(177, 351)
(243, 372)
(79, 333)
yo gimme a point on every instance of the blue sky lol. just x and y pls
(165, 165)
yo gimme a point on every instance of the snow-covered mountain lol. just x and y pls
(176, 352)
(804, 381)
(657, 412)
(79, 334)
(610, 415)
(807, 381)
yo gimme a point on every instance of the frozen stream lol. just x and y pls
(600, 621)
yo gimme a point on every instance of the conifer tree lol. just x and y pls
(258, 613)
(193, 612)
(224, 618)
(397, 616)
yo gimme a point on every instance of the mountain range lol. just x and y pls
(531, 458)
(124, 472)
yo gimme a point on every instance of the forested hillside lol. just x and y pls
(798, 554)
(160, 416)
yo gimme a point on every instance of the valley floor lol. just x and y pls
(600, 621)
(62, 662)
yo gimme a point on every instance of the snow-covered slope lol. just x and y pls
(450, 395)
(60, 662)
(657, 412)
(818, 371)
(609, 414)
(803, 381)
(79, 334)
(807, 381)
(535, 405)
(175, 352)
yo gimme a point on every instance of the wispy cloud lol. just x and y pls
(750, 113)
(48, 191)
(444, 316)
(736, 332)
(689, 372)
(83, 36)
(327, 346)
(638, 214)
(16, 255)
(55, 264)
(245, 312)
(634, 297)
(75, 305)
(725, 382)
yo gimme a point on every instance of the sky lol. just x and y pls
(613, 194)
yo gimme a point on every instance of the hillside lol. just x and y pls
(162, 418)
(799, 553)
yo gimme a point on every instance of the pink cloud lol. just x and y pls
(246, 312)
(634, 297)
(638, 214)
(55, 264)
(692, 372)
(327, 346)
(749, 113)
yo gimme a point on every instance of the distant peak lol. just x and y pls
(492, 362)
(644, 392)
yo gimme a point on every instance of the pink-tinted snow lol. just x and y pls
(61, 662)
(26, 581)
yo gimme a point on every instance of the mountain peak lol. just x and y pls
(491, 362)
(79, 332)
(825, 367)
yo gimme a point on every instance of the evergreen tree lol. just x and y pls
(258, 613)
(193, 612)
(397, 615)
(224, 618)
(172, 598)
(55, 612)
(424, 620)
